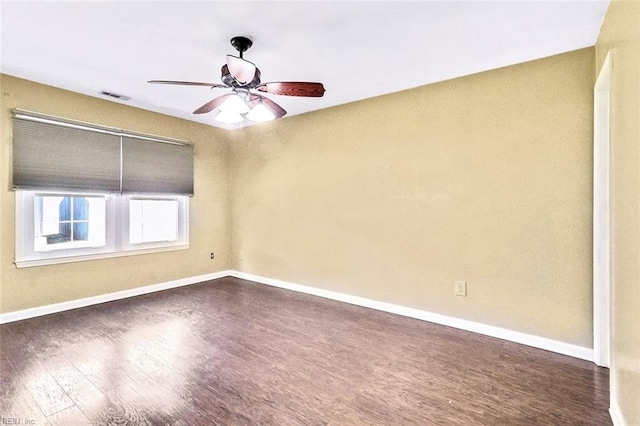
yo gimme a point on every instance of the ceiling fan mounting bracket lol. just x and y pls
(241, 44)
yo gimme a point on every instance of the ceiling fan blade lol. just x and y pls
(212, 104)
(186, 83)
(293, 88)
(276, 109)
(240, 69)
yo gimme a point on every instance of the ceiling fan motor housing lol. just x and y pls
(228, 79)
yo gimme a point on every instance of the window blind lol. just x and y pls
(155, 167)
(47, 156)
(59, 154)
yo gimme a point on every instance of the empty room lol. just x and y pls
(320, 213)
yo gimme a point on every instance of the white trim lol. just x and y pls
(614, 409)
(95, 300)
(59, 260)
(616, 415)
(488, 330)
(601, 217)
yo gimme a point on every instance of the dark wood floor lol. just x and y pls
(236, 353)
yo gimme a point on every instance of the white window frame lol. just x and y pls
(117, 230)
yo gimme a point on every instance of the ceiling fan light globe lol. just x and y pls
(235, 105)
(260, 113)
(228, 117)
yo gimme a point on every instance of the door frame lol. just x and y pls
(601, 216)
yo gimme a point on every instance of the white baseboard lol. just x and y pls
(94, 300)
(616, 415)
(488, 330)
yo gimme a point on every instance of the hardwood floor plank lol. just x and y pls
(17, 404)
(46, 392)
(126, 406)
(231, 352)
(69, 416)
(84, 394)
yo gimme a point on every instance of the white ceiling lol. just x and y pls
(357, 49)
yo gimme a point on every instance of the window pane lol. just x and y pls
(64, 209)
(80, 209)
(80, 231)
(62, 236)
(65, 222)
(153, 220)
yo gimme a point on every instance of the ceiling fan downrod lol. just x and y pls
(241, 44)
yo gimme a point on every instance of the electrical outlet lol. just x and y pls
(212, 255)
(461, 288)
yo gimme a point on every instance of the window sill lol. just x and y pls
(83, 258)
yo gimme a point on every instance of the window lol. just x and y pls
(153, 220)
(82, 190)
(153, 223)
(63, 222)
(57, 228)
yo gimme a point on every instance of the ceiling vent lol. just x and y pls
(115, 95)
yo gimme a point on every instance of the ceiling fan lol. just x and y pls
(243, 78)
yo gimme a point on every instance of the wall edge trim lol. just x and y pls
(475, 327)
(109, 297)
(616, 414)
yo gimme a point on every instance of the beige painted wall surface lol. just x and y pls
(209, 223)
(485, 179)
(621, 34)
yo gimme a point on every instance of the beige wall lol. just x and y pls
(620, 34)
(486, 179)
(209, 221)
